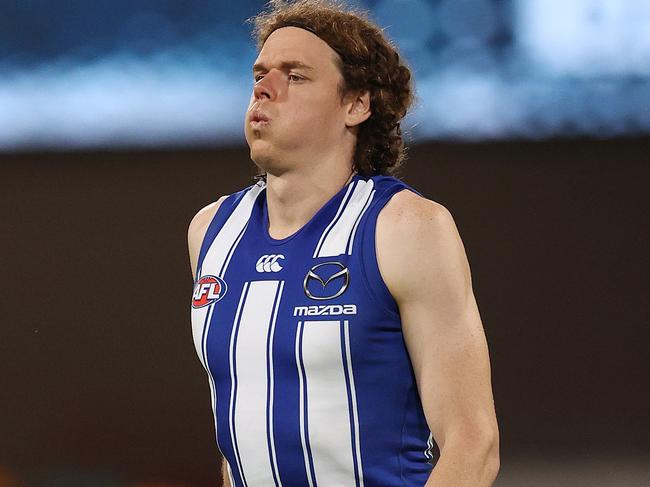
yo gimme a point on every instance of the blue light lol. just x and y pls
(90, 76)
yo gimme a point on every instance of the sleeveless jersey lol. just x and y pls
(309, 374)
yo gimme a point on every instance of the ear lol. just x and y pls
(357, 108)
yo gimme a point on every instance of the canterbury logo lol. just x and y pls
(269, 263)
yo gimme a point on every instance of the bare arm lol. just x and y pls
(423, 262)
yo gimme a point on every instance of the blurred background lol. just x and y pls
(120, 119)
(170, 73)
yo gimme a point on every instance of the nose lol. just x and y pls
(269, 86)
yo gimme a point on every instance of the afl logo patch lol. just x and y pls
(208, 290)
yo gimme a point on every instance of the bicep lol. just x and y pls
(451, 364)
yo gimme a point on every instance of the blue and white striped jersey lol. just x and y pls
(310, 377)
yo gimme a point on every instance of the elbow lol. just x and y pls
(478, 453)
(492, 468)
(492, 461)
(487, 438)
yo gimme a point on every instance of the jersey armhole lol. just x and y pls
(216, 224)
(368, 249)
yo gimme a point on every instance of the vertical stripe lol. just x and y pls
(229, 255)
(233, 380)
(213, 396)
(213, 389)
(200, 319)
(329, 435)
(224, 243)
(206, 326)
(353, 399)
(336, 241)
(215, 262)
(249, 371)
(309, 467)
(356, 223)
(271, 389)
(334, 220)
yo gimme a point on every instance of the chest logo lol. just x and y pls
(208, 290)
(269, 263)
(326, 281)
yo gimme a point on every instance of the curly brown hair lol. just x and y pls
(368, 60)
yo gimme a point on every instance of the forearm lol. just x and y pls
(466, 464)
(224, 474)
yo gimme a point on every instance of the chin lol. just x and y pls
(269, 164)
(262, 157)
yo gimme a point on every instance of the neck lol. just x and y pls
(294, 197)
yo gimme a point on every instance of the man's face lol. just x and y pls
(296, 89)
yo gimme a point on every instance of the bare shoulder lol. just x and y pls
(417, 238)
(409, 206)
(408, 217)
(197, 228)
(200, 221)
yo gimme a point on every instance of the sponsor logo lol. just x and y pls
(208, 290)
(326, 281)
(269, 263)
(325, 310)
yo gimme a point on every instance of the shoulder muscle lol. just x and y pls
(417, 245)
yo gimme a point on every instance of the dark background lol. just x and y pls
(99, 375)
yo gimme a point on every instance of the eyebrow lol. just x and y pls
(284, 65)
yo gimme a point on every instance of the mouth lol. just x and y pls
(258, 118)
(257, 125)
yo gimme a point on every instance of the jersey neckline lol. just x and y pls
(265, 214)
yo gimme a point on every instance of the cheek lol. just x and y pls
(318, 112)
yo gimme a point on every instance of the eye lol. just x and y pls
(291, 77)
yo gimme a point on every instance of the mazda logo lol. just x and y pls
(335, 271)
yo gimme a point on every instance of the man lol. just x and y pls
(333, 308)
